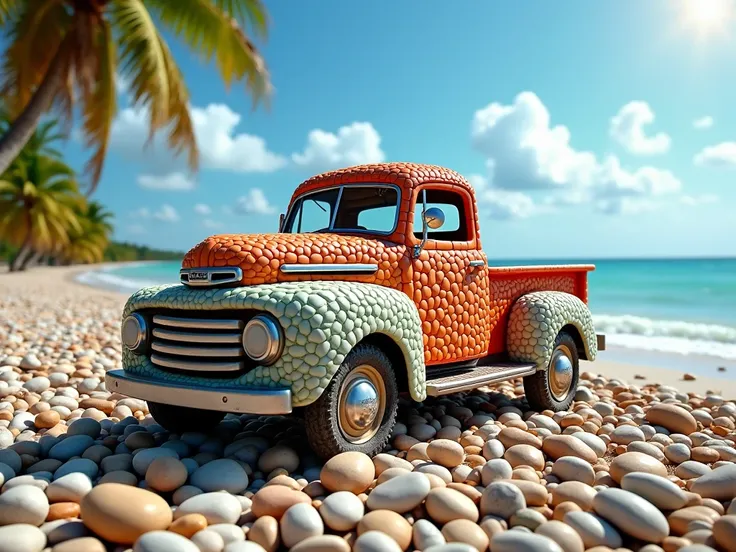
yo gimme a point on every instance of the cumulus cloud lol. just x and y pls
(166, 214)
(526, 153)
(501, 204)
(703, 122)
(721, 155)
(220, 145)
(354, 144)
(254, 202)
(202, 209)
(175, 181)
(627, 128)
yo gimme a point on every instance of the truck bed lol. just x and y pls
(508, 283)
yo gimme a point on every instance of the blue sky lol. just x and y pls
(575, 120)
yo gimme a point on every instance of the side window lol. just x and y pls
(452, 205)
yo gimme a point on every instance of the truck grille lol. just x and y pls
(198, 344)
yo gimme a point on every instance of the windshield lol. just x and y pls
(371, 208)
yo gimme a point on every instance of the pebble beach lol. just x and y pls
(645, 464)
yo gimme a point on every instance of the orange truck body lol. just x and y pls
(463, 303)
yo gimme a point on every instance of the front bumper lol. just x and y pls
(243, 401)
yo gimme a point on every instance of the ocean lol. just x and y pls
(679, 309)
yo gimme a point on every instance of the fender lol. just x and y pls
(322, 322)
(536, 319)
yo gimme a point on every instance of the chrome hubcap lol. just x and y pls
(362, 403)
(560, 372)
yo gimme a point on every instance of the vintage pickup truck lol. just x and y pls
(375, 284)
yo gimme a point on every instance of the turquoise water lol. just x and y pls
(672, 306)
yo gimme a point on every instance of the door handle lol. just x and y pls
(479, 262)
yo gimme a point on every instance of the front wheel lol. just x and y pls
(554, 387)
(357, 411)
(180, 419)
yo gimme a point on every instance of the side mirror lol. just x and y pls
(282, 218)
(434, 218)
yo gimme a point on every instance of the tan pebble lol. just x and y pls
(446, 453)
(349, 471)
(274, 500)
(435, 481)
(693, 499)
(417, 452)
(471, 492)
(265, 532)
(322, 543)
(635, 462)
(405, 442)
(562, 534)
(166, 474)
(447, 504)
(724, 533)
(534, 493)
(121, 513)
(557, 446)
(571, 420)
(189, 524)
(286, 481)
(524, 455)
(463, 530)
(680, 519)
(673, 418)
(564, 508)
(671, 544)
(511, 436)
(278, 457)
(314, 489)
(63, 510)
(119, 476)
(704, 454)
(574, 491)
(475, 460)
(58, 429)
(47, 420)
(472, 441)
(82, 544)
(714, 505)
(388, 522)
(99, 404)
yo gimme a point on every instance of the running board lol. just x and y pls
(478, 377)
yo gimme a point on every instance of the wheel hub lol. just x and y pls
(560, 373)
(361, 404)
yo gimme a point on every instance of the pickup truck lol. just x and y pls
(375, 284)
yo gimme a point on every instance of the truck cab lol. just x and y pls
(375, 284)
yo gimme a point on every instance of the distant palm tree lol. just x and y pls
(39, 201)
(88, 242)
(63, 51)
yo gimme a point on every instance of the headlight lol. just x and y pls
(134, 332)
(263, 339)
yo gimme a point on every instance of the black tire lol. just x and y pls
(537, 386)
(322, 421)
(180, 419)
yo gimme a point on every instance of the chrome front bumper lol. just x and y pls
(242, 401)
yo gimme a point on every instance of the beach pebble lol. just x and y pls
(208, 541)
(444, 504)
(72, 487)
(631, 514)
(299, 522)
(400, 494)
(565, 536)
(660, 491)
(635, 462)
(25, 504)
(719, 483)
(672, 417)
(501, 499)
(594, 530)
(215, 507)
(425, 534)
(375, 541)
(341, 511)
(163, 541)
(20, 537)
(517, 541)
(220, 475)
(349, 471)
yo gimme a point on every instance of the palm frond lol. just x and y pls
(212, 29)
(8, 9)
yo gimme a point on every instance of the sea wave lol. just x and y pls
(107, 280)
(668, 336)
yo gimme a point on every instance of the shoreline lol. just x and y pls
(47, 286)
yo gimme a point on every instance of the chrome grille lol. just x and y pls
(198, 344)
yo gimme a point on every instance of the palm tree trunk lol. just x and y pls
(22, 128)
(19, 262)
(30, 260)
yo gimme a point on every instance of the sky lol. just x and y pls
(589, 129)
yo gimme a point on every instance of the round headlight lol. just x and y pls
(263, 340)
(134, 332)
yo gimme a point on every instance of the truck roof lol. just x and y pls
(406, 175)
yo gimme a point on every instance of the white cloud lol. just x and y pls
(721, 155)
(703, 122)
(254, 202)
(220, 145)
(175, 181)
(143, 212)
(627, 128)
(355, 144)
(525, 153)
(202, 209)
(501, 204)
(166, 214)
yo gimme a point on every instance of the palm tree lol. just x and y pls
(39, 201)
(88, 242)
(64, 51)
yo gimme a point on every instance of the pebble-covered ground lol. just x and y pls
(84, 470)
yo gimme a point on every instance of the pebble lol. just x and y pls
(341, 511)
(594, 530)
(208, 541)
(672, 417)
(516, 541)
(635, 462)
(348, 471)
(215, 507)
(501, 499)
(375, 541)
(20, 537)
(400, 494)
(220, 475)
(571, 468)
(299, 522)
(444, 504)
(388, 522)
(24, 504)
(425, 534)
(565, 536)
(631, 514)
(719, 483)
(163, 541)
(660, 491)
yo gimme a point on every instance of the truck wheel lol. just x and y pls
(554, 388)
(179, 419)
(357, 411)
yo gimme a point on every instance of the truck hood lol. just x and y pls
(268, 258)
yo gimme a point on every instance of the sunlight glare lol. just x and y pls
(707, 17)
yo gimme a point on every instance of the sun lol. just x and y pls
(707, 17)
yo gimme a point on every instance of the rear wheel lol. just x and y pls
(554, 387)
(180, 419)
(357, 411)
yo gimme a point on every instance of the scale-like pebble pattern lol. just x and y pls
(322, 322)
(537, 318)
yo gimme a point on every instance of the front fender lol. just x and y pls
(322, 322)
(536, 319)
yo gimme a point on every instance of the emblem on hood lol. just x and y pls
(210, 276)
